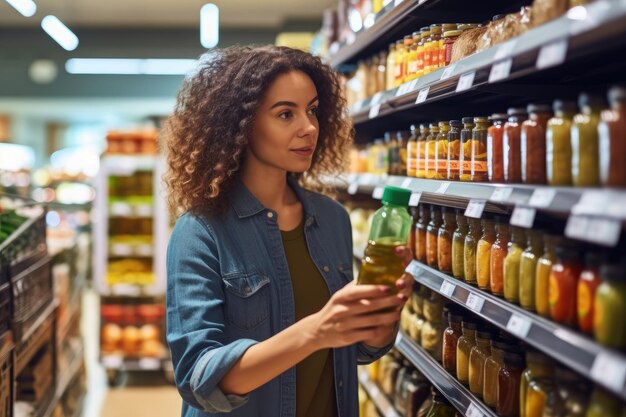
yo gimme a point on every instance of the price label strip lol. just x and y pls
(610, 370)
(406, 183)
(423, 95)
(112, 362)
(542, 197)
(604, 231)
(415, 199)
(374, 111)
(149, 364)
(443, 188)
(475, 208)
(447, 73)
(552, 54)
(519, 326)
(523, 217)
(500, 71)
(501, 194)
(473, 411)
(465, 82)
(505, 50)
(378, 192)
(414, 268)
(376, 98)
(576, 227)
(475, 302)
(447, 288)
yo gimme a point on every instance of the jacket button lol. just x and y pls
(247, 289)
(326, 268)
(270, 214)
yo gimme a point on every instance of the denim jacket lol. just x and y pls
(228, 287)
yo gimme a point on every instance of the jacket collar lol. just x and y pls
(246, 205)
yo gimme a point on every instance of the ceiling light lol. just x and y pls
(59, 32)
(112, 66)
(209, 25)
(25, 7)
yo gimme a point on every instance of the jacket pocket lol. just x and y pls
(247, 299)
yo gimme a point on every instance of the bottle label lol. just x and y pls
(584, 301)
(412, 67)
(554, 291)
(479, 166)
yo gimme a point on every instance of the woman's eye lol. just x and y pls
(313, 111)
(284, 115)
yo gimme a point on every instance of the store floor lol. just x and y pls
(143, 395)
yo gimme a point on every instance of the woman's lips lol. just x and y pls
(303, 151)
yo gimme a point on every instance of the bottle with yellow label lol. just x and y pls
(431, 50)
(421, 47)
(390, 67)
(411, 70)
(441, 151)
(588, 284)
(585, 142)
(430, 154)
(406, 57)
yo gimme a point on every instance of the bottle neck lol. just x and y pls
(470, 333)
(483, 343)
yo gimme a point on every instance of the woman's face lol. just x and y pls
(286, 128)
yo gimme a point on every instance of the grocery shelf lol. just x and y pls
(118, 362)
(64, 380)
(376, 395)
(45, 313)
(402, 17)
(604, 366)
(458, 395)
(548, 61)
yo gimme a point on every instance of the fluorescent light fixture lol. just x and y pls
(25, 7)
(209, 25)
(59, 32)
(113, 66)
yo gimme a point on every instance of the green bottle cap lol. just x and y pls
(396, 196)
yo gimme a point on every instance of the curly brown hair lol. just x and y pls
(207, 135)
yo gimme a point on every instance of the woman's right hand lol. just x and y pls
(354, 314)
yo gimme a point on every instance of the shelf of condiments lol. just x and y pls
(507, 376)
(140, 142)
(558, 145)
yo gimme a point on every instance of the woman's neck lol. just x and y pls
(268, 185)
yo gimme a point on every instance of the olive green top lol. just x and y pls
(315, 386)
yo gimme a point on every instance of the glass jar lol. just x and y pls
(431, 235)
(458, 246)
(492, 368)
(421, 150)
(585, 142)
(401, 381)
(539, 392)
(411, 150)
(389, 74)
(432, 338)
(612, 131)
(390, 374)
(421, 48)
(465, 155)
(469, 251)
(445, 28)
(440, 406)
(538, 365)
(441, 151)
(588, 284)
(499, 250)
(444, 242)
(450, 339)
(558, 144)
(603, 404)
(420, 232)
(433, 307)
(495, 160)
(454, 149)
(431, 50)
(431, 151)
(533, 144)
(411, 69)
(483, 254)
(542, 276)
(511, 145)
(479, 150)
(610, 307)
(477, 358)
(449, 38)
(509, 379)
(416, 391)
(511, 265)
(528, 269)
(400, 157)
(463, 349)
(563, 282)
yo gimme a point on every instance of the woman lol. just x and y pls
(263, 317)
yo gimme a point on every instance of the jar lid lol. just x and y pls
(539, 108)
(415, 34)
(425, 28)
(498, 117)
(617, 94)
(396, 195)
(469, 325)
(452, 33)
(481, 119)
(435, 28)
(516, 111)
(613, 272)
(413, 128)
(585, 100)
(423, 126)
(467, 26)
(564, 106)
(467, 120)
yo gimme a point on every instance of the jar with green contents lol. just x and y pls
(585, 142)
(441, 151)
(431, 152)
(610, 307)
(538, 366)
(528, 269)
(559, 145)
(509, 379)
(512, 263)
(542, 275)
(465, 154)
(444, 240)
(432, 232)
(483, 254)
(469, 251)
(458, 245)
(420, 232)
(499, 250)
(463, 349)
(479, 150)
(603, 404)
(477, 359)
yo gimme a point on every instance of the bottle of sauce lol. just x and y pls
(444, 240)
(441, 151)
(509, 379)
(450, 339)
(477, 359)
(588, 284)
(563, 282)
(420, 232)
(478, 150)
(511, 265)
(464, 347)
(431, 151)
(499, 250)
(411, 150)
(454, 149)
(610, 307)
(469, 251)
(458, 246)
(390, 228)
(465, 156)
(585, 142)
(512, 147)
(612, 131)
(492, 368)
(558, 144)
(431, 50)
(533, 144)
(390, 67)
(538, 366)
(431, 236)
(445, 28)
(449, 38)
(495, 159)
(408, 43)
(483, 254)
(421, 150)
(398, 63)
(421, 49)
(542, 276)
(528, 269)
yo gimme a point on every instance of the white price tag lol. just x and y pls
(576, 227)
(475, 208)
(542, 197)
(523, 217)
(143, 210)
(121, 209)
(465, 82)
(473, 411)
(376, 98)
(505, 50)
(500, 71)
(447, 73)
(374, 111)
(414, 268)
(519, 326)
(404, 88)
(112, 361)
(423, 95)
(443, 187)
(610, 370)
(415, 199)
(604, 231)
(149, 364)
(552, 54)
(412, 85)
(501, 194)
(378, 192)
(406, 183)
(475, 302)
(617, 206)
(447, 288)
(353, 188)
(121, 249)
(593, 202)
